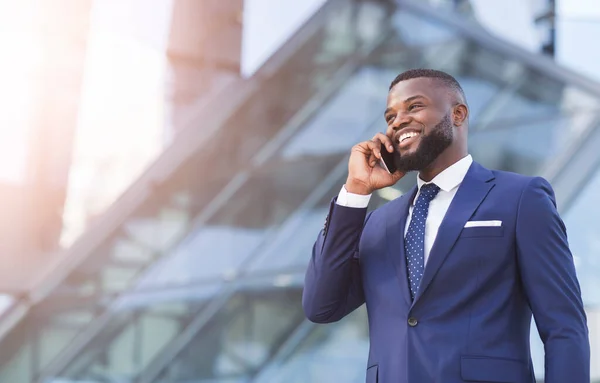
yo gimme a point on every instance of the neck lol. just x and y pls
(442, 162)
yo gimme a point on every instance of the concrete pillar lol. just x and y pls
(204, 53)
(51, 47)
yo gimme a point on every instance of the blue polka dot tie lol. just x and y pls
(414, 242)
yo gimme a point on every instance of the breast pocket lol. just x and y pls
(482, 231)
(373, 374)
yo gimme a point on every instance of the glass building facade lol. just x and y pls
(196, 274)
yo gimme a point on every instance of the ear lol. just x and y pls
(460, 113)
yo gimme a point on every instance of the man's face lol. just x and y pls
(418, 116)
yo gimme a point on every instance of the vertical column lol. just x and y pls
(46, 43)
(204, 52)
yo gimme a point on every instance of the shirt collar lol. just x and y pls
(452, 176)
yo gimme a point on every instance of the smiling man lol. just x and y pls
(452, 271)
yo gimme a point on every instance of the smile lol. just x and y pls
(406, 136)
(406, 139)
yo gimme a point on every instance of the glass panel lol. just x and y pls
(531, 96)
(234, 343)
(131, 340)
(342, 122)
(195, 237)
(292, 246)
(414, 32)
(333, 353)
(272, 200)
(241, 338)
(524, 148)
(463, 7)
(479, 93)
(215, 254)
(196, 290)
(171, 207)
(228, 246)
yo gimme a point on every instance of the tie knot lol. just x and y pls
(429, 191)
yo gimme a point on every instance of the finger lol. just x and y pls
(375, 147)
(387, 141)
(373, 159)
(366, 149)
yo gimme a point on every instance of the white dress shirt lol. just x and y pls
(448, 181)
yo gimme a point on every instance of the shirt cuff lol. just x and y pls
(348, 199)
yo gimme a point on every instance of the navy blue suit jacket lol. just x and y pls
(471, 317)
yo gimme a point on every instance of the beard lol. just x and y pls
(430, 147)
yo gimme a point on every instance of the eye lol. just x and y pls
(389, 118)
(414, 106)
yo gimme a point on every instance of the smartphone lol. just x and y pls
(387, 160)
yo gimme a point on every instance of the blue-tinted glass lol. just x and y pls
(240, 338)
(333, 353)
(147, 298)
(209, 252)
(522, 148)
(520, 122)
(523, 107)
(415, 31)
(117, 252)
(342, 121)
(293, 244)
(478, 93)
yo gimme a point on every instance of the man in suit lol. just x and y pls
(452, 271)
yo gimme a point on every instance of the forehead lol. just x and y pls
(428, 87)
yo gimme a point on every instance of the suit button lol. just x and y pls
(412, 321)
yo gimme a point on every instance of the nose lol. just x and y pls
(401, 121)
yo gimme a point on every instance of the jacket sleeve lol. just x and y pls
(333, 282)
(550, 282)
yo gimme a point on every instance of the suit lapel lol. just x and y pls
(470, 194)
(396, 223)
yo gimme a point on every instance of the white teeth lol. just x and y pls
(406, 135)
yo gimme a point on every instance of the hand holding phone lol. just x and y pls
(371, 166)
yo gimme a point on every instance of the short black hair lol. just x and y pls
(443, 77)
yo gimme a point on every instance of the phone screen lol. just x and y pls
(388, 160)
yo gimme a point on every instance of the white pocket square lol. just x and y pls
(483, 224)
